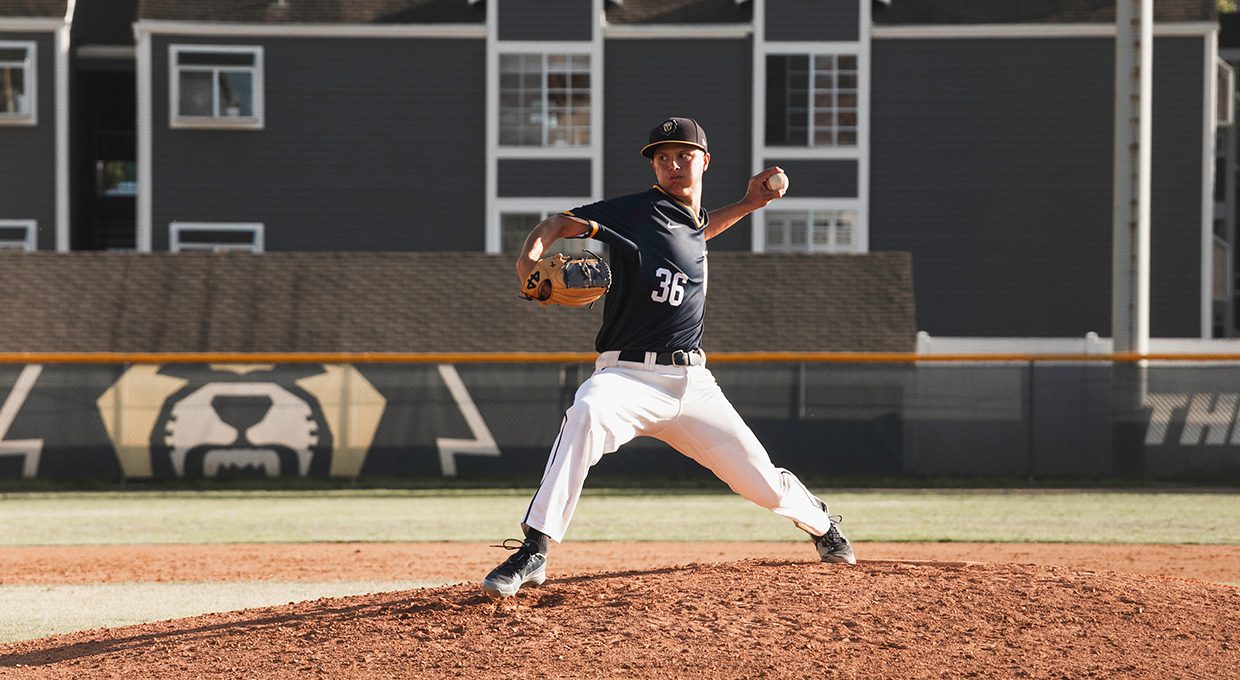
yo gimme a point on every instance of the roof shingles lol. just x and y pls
(902, 12)
(315, 11)
(403, 302)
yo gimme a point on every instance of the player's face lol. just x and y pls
(679, 167)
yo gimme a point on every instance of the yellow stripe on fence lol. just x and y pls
(564, 357)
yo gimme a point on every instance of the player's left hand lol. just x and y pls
(758, 194)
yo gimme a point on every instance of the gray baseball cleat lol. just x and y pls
(526, 565)
(832, 546)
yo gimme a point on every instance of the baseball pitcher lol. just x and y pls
(650, 378)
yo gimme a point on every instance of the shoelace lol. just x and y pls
(519, 544)
(520, 548)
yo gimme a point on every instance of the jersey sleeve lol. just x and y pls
(607, 222)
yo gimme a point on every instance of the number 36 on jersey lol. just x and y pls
(671, 287)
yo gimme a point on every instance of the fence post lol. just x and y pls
(1029, 414)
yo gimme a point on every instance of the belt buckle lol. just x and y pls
(682, 358)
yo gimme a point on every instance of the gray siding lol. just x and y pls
(527, 177)
(819, 178)
(1175, 203)
(28, 153)
(368, 145)
(1000, 186)
(545, 20)
(813, 19)
(640, 95)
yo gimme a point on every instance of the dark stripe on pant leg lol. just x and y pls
(555, 449)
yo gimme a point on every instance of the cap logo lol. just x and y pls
(668, 126)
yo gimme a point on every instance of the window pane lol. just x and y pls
(844, 230)
(848, 62)
(786, 231)
(236, 93)
(13, 54)
(196, 98)
(514, 227)
(215, 58)
(13, 91)
(564, 92)
(787, 87)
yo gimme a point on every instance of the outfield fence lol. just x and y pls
(123, 416)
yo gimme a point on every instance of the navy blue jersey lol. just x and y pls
(657, 300)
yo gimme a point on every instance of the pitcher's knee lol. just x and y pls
(760, 495)
(588, 410)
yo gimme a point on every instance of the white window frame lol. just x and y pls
(545, 150)
(176, 120)
(1226, 84)
(763, 155)
(807, 206)
(31, 70)
(176, 229)
(30, 243)
(546, 207)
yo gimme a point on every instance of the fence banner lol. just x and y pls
(498, 420)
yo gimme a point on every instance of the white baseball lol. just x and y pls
(777, 182)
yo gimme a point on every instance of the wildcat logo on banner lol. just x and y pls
(218, 420)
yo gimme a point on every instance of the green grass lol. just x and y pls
(474, 515)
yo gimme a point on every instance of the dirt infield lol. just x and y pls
(669, 610)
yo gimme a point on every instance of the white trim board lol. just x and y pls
(143, 228)
(1031, 30)
(1209, 107)
(30, 24)
(62, 45)
(195, 28)
(677, 31)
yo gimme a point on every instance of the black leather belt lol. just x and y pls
(680, 357)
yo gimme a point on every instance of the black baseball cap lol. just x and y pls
(677, 130)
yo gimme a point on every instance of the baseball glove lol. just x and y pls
(572, 281)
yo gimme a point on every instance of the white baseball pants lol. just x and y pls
(680, 405)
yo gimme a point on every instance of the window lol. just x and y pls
(17, 83)
(811, 100)
(18, 235)
(215, 237)
(544, 99)
(216, 86)
(515, 226)
(810, 231)
(116, 178)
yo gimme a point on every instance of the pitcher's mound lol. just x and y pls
(756, 618)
